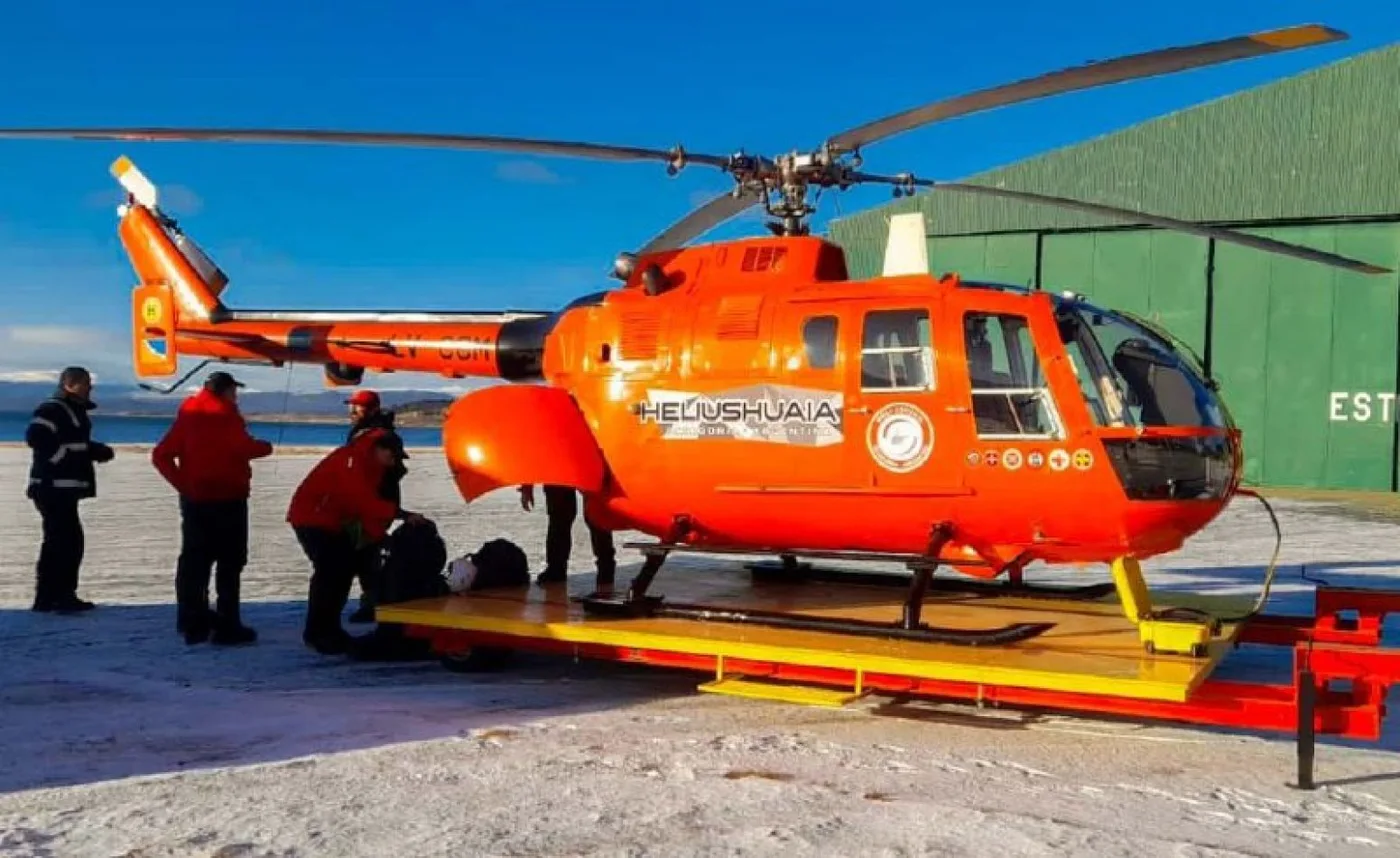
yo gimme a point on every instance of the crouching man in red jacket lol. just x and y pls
(336, 511)
(206, 456)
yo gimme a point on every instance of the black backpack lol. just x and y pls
(413, 560)
(415, 557)
(500, 563)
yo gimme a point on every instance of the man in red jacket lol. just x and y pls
(206, 456)
(336, 511)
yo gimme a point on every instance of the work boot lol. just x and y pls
(233, 635)
(552, 576)
(337, 642)
(228, 626)
(364, 614)
(180, 623)
(70, 605)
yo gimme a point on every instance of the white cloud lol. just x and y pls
(530, 172)
(29, 376)
(38, 352)
(49, 335)
(177, 200)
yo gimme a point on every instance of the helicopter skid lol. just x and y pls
(785, 572)
(657, 607)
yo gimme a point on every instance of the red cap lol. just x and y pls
(364, 397)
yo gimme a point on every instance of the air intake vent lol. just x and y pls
(764, 257)
(737, 318)
(639, 336)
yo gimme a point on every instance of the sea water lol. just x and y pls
(111, 429)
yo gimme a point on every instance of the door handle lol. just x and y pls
(860, 409)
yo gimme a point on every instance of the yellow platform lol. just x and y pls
(1093, 647)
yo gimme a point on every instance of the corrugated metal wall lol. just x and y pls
(1320, 144)
(1307, 357)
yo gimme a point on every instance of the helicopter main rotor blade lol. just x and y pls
(1268, 245)
(1132, 67)
(441, 141)
(701, 220)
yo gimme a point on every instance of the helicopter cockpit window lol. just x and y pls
(896, 351)
(1010, 396)
(819, 340)
(1137, 377)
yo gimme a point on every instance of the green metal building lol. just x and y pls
(1307, 356)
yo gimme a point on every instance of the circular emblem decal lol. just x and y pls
(900, 437)
(1036, 459)
(974, 458)
(150, 310)
(1083, 460)
(1059, 460)
(1011, 459)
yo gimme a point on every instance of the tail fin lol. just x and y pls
(153, 331)
(177, 282)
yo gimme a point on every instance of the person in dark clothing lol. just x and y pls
(206, 456)
(366, 414)
(336, 512)
(561, 507)
(61, 475)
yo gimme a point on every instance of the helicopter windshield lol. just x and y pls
(1131, 375)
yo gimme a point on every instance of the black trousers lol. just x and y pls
(213, 538)
(561, 506)
(61, 552)
(368, 570)
(332, 555)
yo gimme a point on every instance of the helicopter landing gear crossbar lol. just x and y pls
(638, 603)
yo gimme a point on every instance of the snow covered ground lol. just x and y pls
(121, 741)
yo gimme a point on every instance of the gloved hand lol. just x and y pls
(101, 452)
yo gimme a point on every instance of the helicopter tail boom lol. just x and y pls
(178, 310)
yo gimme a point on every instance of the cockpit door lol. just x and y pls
(901, 439)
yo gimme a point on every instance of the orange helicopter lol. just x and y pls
(748, 397)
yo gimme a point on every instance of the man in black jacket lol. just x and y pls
(61, 475)
(366, 414)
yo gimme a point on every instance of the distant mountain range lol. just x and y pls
(22, 396)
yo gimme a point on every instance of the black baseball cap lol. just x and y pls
(220, 381)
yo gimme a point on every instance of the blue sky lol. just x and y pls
(360, 227)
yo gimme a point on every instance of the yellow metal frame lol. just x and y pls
(1096, 647)
(737, 685)
(1175, 637)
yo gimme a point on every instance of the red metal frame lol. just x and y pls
(1327, 648)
